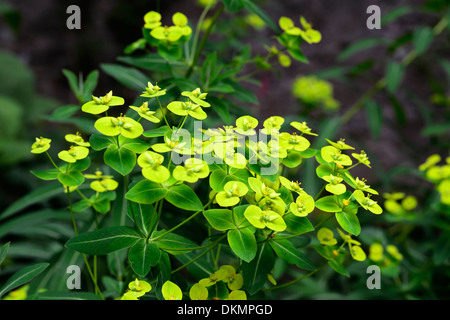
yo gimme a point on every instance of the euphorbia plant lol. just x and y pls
(229, 181)
(171, 195)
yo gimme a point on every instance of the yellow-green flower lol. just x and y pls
(333, 155)
(233, 280)
(237, 295)
(326, 237)
(272, 125)
(77, 139)
(334, 185)
(73, 154)
(97, 175)
(215, 277)
(40, 145)
(309, 34)
(227, 152)
(187, 108)
(430, 161)
(303, 205)
(171, 145)
(152, 168)
(101, 104)
(376, 252)
(293, 142)
(145, 112)
(245, 125)
(181, 21)
(341, 145)
(104, 185)
(111, 126)
(198, 292)
(444, 189)
(193, 170)
(171, 291)
(152, 20)
(152, 91)
(409, 203)
(393, 251)
(165, 33)
(357, 253)
(291, 185)
(197, 97)
(137, 288)
(233, 191)
(362, 158)
(360, 184)
(367, 203)
(262, 219)
(303, 127)
(288, 26)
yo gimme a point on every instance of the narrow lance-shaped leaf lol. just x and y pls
(104, 241)
(22, 277)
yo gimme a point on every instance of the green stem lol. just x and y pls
(162, 112)
(51, 160)
(203, 41)
(93, 277)
(295, 280)
(380, 84)
(212, 245)
(182, 223)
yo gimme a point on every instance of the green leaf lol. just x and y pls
(286, 251)
(183, 197)
(144, 255)
(4, 251)
(64, 295)
(252, 7)
(395, 14)
(220, 219)
(324, 170)
(328, 204)
(255, 272)
(158, 132)
(293, 159)
(349, 222)
(89, 85)
(120, 159)
(441, 252)
(297, 225)
(143, 215)
(36, 196)
(374, 118)
(173, 243)
(70, 179)
(104, 241)
(169, 52)
(22, 277)
(422, 39)
(146, 192)
(64, 112)
(339, 268)
(360, 45)
(234, 5)
(48, 174)
(73, 83)
(129, 77)
(394, 75)
(243, 243)
(100, 141)
(135, 145)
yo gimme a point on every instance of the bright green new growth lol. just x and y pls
(101, 104)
